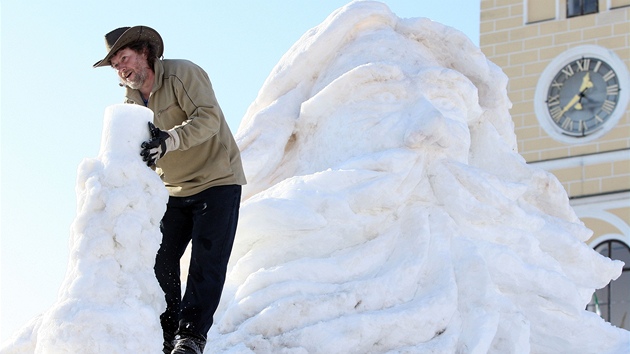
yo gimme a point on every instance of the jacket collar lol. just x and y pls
(158, 79)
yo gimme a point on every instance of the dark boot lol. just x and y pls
(188, 343)
(168, 347)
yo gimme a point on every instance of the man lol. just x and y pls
(194, 152)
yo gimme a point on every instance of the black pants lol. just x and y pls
(209, 220)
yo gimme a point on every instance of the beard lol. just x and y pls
(139, 77)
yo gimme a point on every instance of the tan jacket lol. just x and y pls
(183, 98)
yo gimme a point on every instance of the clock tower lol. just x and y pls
(568, 63)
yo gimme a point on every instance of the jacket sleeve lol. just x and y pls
(196, 98)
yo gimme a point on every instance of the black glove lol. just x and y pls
(155, 148)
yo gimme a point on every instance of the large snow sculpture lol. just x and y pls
(387, 209)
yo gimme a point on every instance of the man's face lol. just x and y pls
(132, 67)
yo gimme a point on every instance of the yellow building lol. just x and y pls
(568, 62)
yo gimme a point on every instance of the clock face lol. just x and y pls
(582, 96)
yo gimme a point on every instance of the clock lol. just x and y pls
(579, 96)
(582, 96)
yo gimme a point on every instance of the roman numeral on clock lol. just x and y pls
(583, 64)
(609, 75)
(608, 106)
(553, 100)
(556, 113)
(612, 90)
(583, 126)
(568, 71)
(567, 124)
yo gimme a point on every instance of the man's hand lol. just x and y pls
(160, 143)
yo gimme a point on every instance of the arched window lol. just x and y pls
(613, 301)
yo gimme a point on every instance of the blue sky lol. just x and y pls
(52, 103)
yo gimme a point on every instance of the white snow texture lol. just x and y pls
(387, 211)
(110, 300)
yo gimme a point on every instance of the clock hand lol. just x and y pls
(586, 84)
(578, 105)
(571, 103)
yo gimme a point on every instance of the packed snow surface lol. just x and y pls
(387, 211)
(110, 300)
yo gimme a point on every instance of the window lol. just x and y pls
(613, 301)
(581, 7)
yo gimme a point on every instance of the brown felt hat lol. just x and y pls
(121, 37)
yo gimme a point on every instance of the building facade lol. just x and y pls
(568, 63)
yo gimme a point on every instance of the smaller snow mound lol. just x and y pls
(110, 300)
